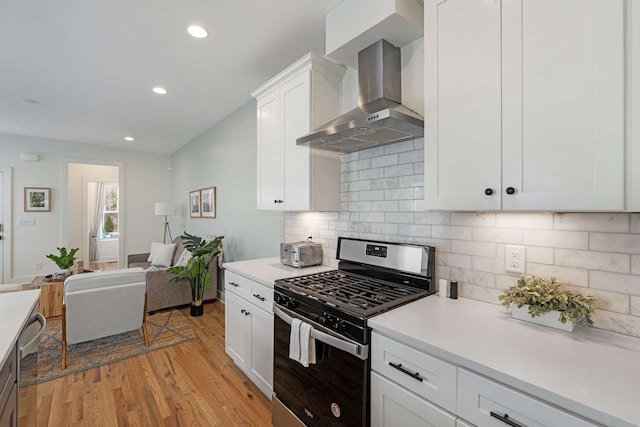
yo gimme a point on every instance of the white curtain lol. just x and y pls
(95, 195)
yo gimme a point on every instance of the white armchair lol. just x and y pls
(101, 304)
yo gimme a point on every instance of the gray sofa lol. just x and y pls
(161, 292)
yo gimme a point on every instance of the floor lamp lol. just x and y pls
(165, 209)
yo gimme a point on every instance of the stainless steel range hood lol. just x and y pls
(380, 118)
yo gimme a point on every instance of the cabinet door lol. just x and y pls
(270, 166)
(462, 104)
(296, 101)
(262, 349)
(237, 330)
(563, 104)
(392, 405)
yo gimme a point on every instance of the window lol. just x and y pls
(110, 212)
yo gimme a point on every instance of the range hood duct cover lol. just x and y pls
(380, 117)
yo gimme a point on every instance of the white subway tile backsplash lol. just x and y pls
(411, 156)
(399, 194)
(615, 282)
(635, 306)
(474, 219)
(382, 191)
(469, 247)
(524, 220)
(615, 242)
(399, 170)
(390, 160)
(607, 222)
(617, 263)
(399, 217)
(510, 236)
(565, 275)
(538, 254)
(399, 147)
(557, 239)
(452, 232)
(433, 217)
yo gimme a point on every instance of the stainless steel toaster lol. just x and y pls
(301, 254)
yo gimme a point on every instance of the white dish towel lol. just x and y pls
(302, 346)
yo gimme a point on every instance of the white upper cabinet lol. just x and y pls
(525, 105)
(296, 101)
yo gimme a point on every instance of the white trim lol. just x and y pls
(6, 206)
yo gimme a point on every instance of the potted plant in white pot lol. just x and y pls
(203, 253)
(64, 260)
(543, 301)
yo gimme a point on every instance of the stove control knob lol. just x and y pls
(281, 299)
(291, 303)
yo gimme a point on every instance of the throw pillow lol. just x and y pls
(154, 249)
(184, 258)
(164, 255)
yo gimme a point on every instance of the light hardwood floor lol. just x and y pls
(190, 384)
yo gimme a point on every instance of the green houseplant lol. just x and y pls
(203, 253)
(64, 260)
(543, 296)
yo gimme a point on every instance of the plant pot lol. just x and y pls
(551, 319)
(197, 310)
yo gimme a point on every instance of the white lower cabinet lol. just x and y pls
(487, 403)
(392, 405)
(412, 388)
(249, 329)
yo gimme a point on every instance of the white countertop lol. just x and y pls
(268, 270)
(591, 372)
(15, 308)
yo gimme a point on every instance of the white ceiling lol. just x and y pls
(92, 64)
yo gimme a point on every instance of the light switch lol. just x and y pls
(26, 221)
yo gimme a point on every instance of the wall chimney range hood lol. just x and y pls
(380, 118)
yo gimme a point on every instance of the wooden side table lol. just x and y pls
(50, 296)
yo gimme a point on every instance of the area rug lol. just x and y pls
(165, 329)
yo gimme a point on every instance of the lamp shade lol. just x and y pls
(164, 208)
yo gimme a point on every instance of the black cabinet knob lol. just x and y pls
(511, 190)
(488, 191)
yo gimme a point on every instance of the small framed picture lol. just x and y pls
(37, 199)
(194, 204)
(208, 200)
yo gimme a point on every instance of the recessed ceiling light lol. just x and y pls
(30, 101)
(128, 138)
(197, 31)
(159, 90)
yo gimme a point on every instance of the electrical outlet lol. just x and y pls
(514, 258)
(37, 265)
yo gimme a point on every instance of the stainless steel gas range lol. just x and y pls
(372, 277)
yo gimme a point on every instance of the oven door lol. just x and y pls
(331, 392)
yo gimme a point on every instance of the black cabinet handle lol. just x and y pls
(278, 201)
(260, 297)
(243, 311)
(505, 419)
(414, 375)
(246, 313)
(511, 190)
(488, 191)
(234, 284)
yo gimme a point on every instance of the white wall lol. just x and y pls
(225, 157)
(146, 180)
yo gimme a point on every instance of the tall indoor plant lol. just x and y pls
(196, 271)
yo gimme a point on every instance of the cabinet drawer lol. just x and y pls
(237, 284)
(261, 296)
(428, 377)
(478, 397)
(9, 413)
(8, 377)
(392, 405)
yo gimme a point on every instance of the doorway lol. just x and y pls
(95, 213)
(5, 225)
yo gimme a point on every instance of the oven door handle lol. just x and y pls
(360, 351)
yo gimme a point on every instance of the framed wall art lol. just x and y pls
(208, 202)
(194, 204)
(37, 199)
